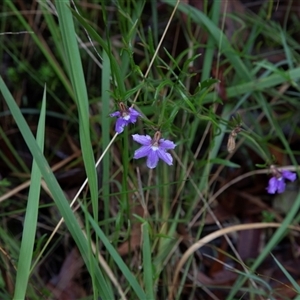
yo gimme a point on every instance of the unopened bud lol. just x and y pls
(231, 139)
(231, 142)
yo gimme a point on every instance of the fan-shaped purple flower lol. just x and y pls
(125, 117)
(154, 149)
(277, 182)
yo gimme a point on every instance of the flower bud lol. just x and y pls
(231, 142)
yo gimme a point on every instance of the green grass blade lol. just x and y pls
(52, 25)
(30, 222)
(45, 50)
(260, 84)
(210, 49)
(118, 260)
(287, 274)
(116, 72)
(14, 153)
(277, 236)
(220, 39)
(57, 193)
(75, 70)
(105, 125)
(147, 262)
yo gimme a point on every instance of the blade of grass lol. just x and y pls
(51, 25)
(210, 49)
(75, 71)
(116, 72)
(57, 193)
(43, 47)
(30, 222)
(276, 237)
(13, 152)
(220, 39)
(147, 262)
(260, 84)
(34, 74)
(105, 125)
(287, 274)
(118, 260)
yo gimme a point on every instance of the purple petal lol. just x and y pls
(272, 187)
(133, 115)
(166, 144)
(152, 159)
(115, 114)
(132, 119)
(142, 152)
(144, 140)
(120, 124)
(280, 185)
(289, 175)
(166, 157)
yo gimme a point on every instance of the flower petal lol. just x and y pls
(115, 114)
(142, 152)
(166, 144)
(133, 115)
(120, 124)
(152, 159)
(166, 157)
(280, 185)
(272, 187)
(144, 140)
(289, 175)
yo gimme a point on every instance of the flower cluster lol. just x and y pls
(154, 149)
(277, 182)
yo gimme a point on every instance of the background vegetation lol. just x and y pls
(82, 219)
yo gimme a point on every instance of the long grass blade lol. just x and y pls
(57, 193)
(30, 222)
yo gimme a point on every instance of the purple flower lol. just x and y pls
(277, 182)
(154, 149)
(125, 116)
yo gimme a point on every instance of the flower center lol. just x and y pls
(155, 141)
(154, 146)
(125, 115)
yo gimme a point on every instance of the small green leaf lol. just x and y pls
(224, 162)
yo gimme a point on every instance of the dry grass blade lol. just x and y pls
(27, 183)
(222, 232)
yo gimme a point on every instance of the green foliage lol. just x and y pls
(192, 81)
